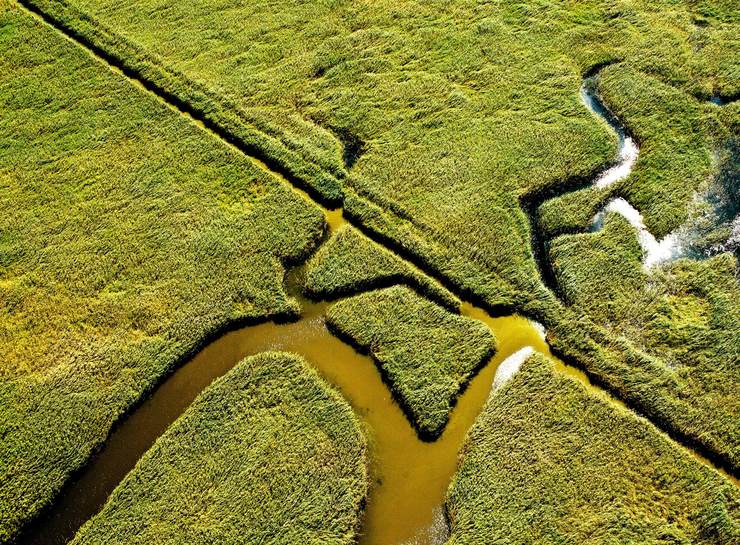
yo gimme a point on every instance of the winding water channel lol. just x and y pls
(409, 476)
(654, 251)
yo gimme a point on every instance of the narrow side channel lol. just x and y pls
(609, 174)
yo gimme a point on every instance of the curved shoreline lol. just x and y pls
(602, 177)
(628, 151)
(410, 475)
(654, 251)
(154, 91)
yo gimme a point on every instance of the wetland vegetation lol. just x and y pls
(547, 462)
(426, 353)
(350, 262)
(269, 430)
(129, 237)
(153, 157)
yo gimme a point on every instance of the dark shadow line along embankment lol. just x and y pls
(532, 201)
(182, 106)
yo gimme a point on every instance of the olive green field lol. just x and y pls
(217, 464)
(547, 462)
(398, 175)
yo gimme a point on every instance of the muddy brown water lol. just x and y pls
(409, 476)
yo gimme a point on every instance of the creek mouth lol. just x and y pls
(409, 476)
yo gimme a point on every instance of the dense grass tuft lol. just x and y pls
(350, 262)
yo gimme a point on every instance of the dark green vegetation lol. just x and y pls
(546, 462)
(425, 353)
(128, 236)
(350, 262)
(688, 312)
(269, 453)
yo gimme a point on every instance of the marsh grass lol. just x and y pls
(459, 109)
(687, 313)
(268, 453)
(547, 462)
(426, 354)
(350, 262)
(129, 238)
(464, 110)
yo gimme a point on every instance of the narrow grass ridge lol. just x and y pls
(251, 130)
(130, 237)
(350, 262)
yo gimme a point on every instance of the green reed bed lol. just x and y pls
(268, 453)
(128, 237)
(155, 235)
(459, 108)
(686, 313)
(350, 262)
(458, 111)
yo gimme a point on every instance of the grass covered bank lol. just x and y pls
(128, 236)
(452, 111)
(687, 313)
(268, 453)
(547, 462)
(425, 353)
